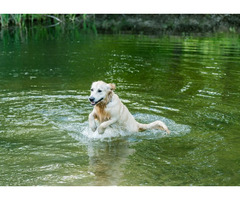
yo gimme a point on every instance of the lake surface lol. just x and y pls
(192, 83)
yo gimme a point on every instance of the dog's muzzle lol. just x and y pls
(93, 102)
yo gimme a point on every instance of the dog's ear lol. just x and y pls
(112, 86)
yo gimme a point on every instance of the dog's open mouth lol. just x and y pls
(94, 103)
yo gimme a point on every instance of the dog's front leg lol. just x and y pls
(105, 124)
(92, 123)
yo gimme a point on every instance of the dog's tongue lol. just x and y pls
(92, 103)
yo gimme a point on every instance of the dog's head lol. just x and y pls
(100, 92)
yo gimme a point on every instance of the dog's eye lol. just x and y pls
(99, 90)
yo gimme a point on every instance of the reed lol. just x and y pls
(4, 20)
(85, 21)
(72, 17)
(23, 19)
(17, 19)
(11, 19)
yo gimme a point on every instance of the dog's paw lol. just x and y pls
(167, 130)
(163, 127)
(93, 129)
(93, 126)
(101, 130)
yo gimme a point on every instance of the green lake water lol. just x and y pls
(192, 83)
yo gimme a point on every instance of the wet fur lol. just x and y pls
(111, 110)
(101, 115)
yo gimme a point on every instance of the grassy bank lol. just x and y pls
(135, 23)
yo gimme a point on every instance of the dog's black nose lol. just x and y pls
(91, 99)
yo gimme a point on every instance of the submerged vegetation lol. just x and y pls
(124, 23)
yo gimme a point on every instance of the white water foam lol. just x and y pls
(82, 132)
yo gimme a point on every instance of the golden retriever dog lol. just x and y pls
(108, 109)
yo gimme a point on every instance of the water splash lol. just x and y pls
(83, 133)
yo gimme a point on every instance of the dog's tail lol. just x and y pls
(154, 125)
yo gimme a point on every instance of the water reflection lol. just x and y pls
(106, 161)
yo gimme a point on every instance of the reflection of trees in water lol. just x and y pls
(106, 161)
